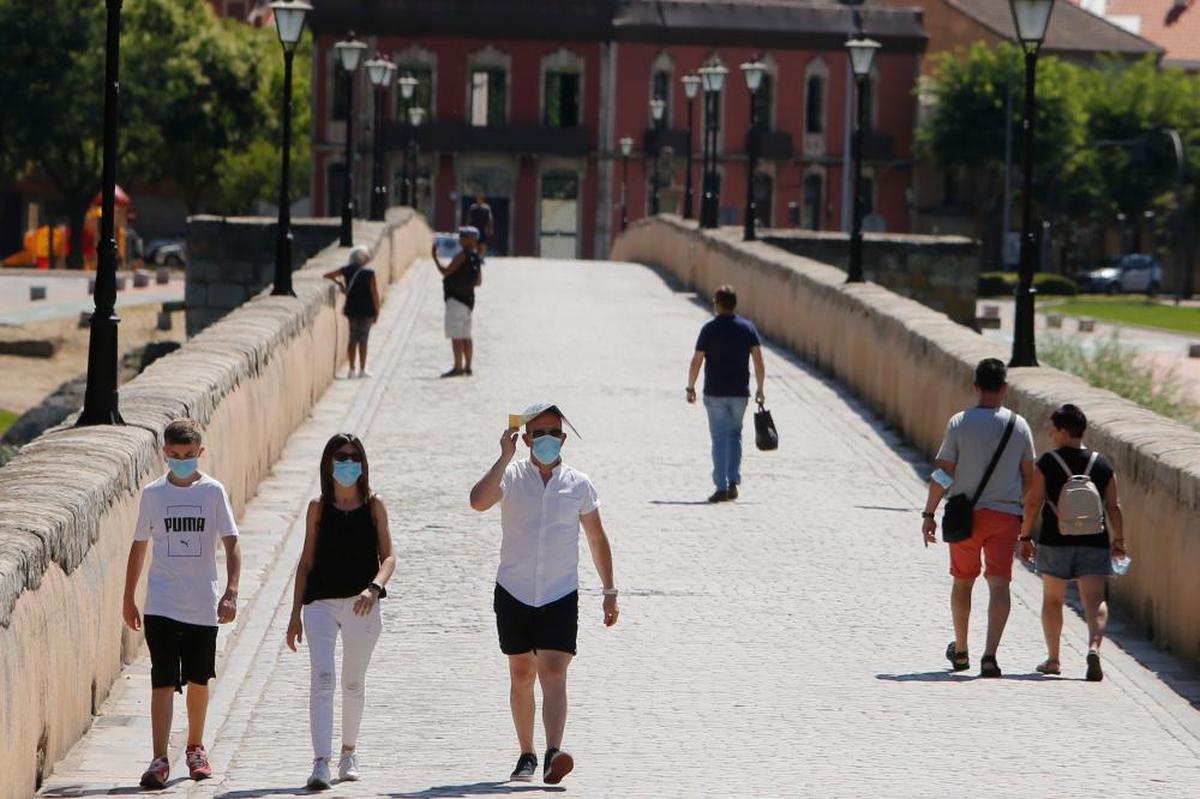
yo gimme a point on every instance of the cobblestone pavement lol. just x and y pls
(788, 644)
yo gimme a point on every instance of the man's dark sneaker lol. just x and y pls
(719, 496)
(988, 667)
(558, 765)
(526, 768)
(733, 491)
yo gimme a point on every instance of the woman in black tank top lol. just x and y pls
(344, 568)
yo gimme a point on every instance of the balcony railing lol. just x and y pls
(460, 137)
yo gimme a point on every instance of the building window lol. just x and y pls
(341, 97)
(763, 194)
(335, 175)
(814, 105)
(489, 97)
(813, 189)
(562, 100)
(422, 95)
(762, 104)
(660, 88)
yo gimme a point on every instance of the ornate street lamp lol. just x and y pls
(658, 108)
(408, 85)
(381, 72)
(626, 149)
(713, 80)
(349, 52)
(691, 87)
(862, 58)
(1030, 18)
(100, 399)
(289, 23)
(416, 117)
(754, 72)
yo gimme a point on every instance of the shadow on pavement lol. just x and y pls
(475, 789)
(68, 791)
(950, 676)
(255, 793)
(681, 502)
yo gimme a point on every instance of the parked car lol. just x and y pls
(1133, 273)
(166, 252)
(447, 245)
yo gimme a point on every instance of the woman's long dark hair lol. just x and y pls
(337, 442)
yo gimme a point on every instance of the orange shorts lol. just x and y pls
(994, 535)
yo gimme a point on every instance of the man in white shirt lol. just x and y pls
(543, 502)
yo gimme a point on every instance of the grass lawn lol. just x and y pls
(1133, 311)
(6, 420)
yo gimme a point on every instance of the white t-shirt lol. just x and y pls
(184, 524)
(539, 554)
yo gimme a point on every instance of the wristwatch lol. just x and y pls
(1025, 538)
(928, 514)
(610, 592)
(376, 587)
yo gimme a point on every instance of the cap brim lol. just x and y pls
(536, 410)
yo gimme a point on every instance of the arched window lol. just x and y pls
(813, 198)
(814, 104)
(762, 104)
(764, 186)
(487, 87)
(662, 78)
(562, 89)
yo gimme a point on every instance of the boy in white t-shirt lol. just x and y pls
(184, 513)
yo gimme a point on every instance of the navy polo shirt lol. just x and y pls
(726, 342)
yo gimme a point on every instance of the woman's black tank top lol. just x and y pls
(347, 554)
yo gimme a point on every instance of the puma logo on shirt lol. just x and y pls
(184, 524)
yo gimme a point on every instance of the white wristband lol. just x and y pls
(610, 592)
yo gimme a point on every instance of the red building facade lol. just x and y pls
(527, 101)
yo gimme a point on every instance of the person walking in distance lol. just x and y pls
(183, 515)
(460, 278)
(479, 216)
(362, 305)
(343, 573)
(726, 346)
(987, 454)
(1075, 491)
(543, 502)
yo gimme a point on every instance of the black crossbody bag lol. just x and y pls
(958, 514)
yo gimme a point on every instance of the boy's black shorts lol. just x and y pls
(523, 628)
(180, 652)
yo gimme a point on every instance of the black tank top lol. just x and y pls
(347, 554)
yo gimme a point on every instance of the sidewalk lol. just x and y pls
(784, 645)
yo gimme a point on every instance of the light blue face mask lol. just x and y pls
(183, 469)
(546, 449)
(347, 472)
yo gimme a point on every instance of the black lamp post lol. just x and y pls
(348, 53)
(626, 149)
(691, 86)
(408, 85)
(1030, 18)
(416, 116)
(862, 57)
(380, 71)
(100, 399)
(713, 79)
(658, 108)
(754, 72)
(289, 23)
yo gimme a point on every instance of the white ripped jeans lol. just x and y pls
(323, 618)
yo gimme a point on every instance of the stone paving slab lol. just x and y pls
(788, 644)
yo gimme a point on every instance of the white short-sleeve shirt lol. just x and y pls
(539, 553)
(184, 523)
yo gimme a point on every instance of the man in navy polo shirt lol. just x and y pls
(726, 345)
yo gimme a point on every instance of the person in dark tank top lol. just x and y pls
(343, 572)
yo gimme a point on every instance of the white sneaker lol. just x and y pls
(351, 374)
(320, 779)
(363, 373)
(348, 767)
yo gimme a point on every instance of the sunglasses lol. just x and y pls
(556, 432)
(342, 457)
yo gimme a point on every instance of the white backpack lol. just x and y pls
(1080, 509)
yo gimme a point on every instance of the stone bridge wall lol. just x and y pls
(69, 500)
(915, 368)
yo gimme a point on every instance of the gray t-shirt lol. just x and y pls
(971, 439)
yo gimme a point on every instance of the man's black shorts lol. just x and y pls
(528, 629)
(180, 652)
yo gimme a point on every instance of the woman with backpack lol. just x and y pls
(357, 282)
(1075, 489)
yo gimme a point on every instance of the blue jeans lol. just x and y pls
(725, 416)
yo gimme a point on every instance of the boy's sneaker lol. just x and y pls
(351, 374)
(197, 762)
(363, 374)
(558, 765)
(155, 777)
(526, 768)
(348, 767)
(320, 779)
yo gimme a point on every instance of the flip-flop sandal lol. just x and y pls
(988, 667)
(959, 661)
(1049, 666)
(1094, 672)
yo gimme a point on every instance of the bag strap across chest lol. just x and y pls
(991, 467)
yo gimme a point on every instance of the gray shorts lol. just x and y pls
(1071, 562)
(360, 329)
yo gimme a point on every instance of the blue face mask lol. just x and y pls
(347, 472)
(182, 469)
(546, 449)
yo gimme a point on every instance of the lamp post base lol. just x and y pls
(101, 401)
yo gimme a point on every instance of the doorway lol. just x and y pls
(497, 243)
(559, 215)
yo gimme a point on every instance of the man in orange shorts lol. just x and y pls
(974, 439)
